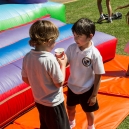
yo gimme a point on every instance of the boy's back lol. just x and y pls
(43, 70)
(46, 74)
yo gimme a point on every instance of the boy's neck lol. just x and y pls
(85, 46)
(41, 49)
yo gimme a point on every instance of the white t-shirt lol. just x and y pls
(83, 67)
(43, 71)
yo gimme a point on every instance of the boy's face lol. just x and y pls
(82, 40)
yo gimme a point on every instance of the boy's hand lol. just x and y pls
(92, 100)
(63, 61)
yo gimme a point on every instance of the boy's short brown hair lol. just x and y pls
(41, 31)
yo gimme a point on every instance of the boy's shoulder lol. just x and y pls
(73, 45)
(71, 48)
(26, 55)
(95, 51)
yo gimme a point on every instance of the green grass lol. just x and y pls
(88, 8)
(119, 28)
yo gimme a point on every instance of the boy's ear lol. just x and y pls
(44, 42)
(51, 40)
(91, 35)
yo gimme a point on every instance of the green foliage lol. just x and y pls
(119, 28)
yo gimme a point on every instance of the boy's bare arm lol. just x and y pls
(96, 84)
(92, 99)
(25, 79)
(63, 71)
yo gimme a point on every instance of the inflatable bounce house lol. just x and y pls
(17, 107)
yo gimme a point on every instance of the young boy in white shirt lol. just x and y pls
(86, 67)
(46, 76)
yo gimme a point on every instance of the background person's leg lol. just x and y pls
(99, 4)
(109, 9)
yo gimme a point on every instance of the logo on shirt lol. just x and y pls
(86, 61)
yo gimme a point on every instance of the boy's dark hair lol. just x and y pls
(84, 26)
(41, 31)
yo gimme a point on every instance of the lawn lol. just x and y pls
(119, 28)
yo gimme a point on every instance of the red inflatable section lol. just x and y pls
(108, 49)
(17, 98)
(113, 100)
